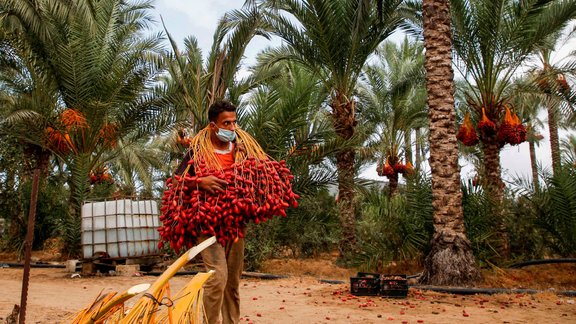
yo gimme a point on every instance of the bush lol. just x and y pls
(527, 238)
(396, 228)
(480, 222)
(553, 211)
(308, 230)
(50, 209)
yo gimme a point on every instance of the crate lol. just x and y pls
(365, 284)
(393, 286)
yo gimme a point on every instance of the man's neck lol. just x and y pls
(218, 144)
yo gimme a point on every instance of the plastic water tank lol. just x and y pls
(120, 228)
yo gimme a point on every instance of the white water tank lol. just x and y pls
(120, 228)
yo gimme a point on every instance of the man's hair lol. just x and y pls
(219, 107)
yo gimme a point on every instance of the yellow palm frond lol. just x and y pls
(145, 309)
(188, 305)
(107, 307)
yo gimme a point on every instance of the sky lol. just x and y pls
(199, 18)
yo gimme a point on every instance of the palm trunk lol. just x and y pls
(28, 246)
(450, 261)
(495, 187)
(78, 183)
(493, 183)
(393, 184)
(408, 146)
(70, 230)
(36, 158)
(554, 141)
(418, 149)
(42, 161)
(534, 165)
(345, 165)
(344, 121)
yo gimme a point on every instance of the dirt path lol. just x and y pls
(54, 296)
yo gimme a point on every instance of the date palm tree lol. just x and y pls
(555, 90)
(492, 39)
(89, 68)
(393, 96)
(27, 101)
(450, 261)
(334, 39)
(101, 66)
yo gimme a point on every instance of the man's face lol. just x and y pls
(225, 120)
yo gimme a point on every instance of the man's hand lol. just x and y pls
(212, 184)
(240, 147)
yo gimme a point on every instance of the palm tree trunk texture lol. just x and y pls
(79, 187)
(408, 146)
(70, 229)
(554, 141)
(495, 187)
(344, 123)
(534, 165)
(393, 184)
(450, 261)
(493, 179)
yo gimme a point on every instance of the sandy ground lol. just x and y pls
(54, 296)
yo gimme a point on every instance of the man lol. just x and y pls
(221, 292)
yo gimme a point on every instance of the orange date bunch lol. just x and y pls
(387, 170)
(509, 131)
(467, 134)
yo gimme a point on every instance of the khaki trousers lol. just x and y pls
(221, 291)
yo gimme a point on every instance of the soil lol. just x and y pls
(302, 298)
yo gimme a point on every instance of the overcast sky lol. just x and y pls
(199, 18)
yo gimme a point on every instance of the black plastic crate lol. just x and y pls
(365, 284)
(393, 286)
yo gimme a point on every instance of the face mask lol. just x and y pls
(226, 135)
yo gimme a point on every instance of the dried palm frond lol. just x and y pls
(146, 308)
(113, 309)
(107, 306)
(187, 304)
(86, 313)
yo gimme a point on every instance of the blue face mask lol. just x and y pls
(226, 135)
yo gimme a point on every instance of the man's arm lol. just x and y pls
(209, 183)
(184, 164)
